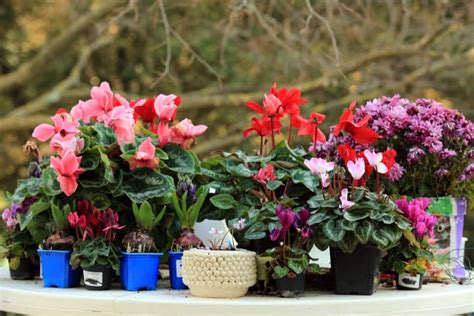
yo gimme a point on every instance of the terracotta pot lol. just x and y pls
(212, 273)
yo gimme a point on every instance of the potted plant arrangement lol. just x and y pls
(356, 222)
(55, 252)
(18, 241)
(140, 257)
(222, 270)
(95, 251)
(435, 156)
(290, 259)
(187, 202)
(411, 258)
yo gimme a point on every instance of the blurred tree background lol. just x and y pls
(217, 54)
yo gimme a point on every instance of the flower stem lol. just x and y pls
(261, 145)
(290, 130)
(273, 133)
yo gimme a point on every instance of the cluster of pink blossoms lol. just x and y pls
(121, 116)
(415, 210)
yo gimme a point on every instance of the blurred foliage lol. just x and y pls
(218, 54)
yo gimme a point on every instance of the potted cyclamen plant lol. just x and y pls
(95, 251)
(55, 252)
(187, 202)
(222, 270)
(140, 257)
(290, 258)
(435, 153)
(18, 241)
(356, 222)
(411, 258)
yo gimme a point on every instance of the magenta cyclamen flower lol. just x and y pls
(415, 210)
(286, 216)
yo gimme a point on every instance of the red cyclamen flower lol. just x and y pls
(265, 175)
(359, 131)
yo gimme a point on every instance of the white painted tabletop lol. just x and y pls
(29, 297)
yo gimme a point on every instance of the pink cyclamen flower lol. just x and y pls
(120, 119)
(102, 101)
(319, 166)
(164, 133)
(145, 156)
(185, 133)
(272, 104)
(166, 106)
(61, 144)
(68, 170)
(345, 203)
(265, 175)
(79, 112)
(9, 217)
(64, 124)
(357, 168)
(375, 160)
(324, 180)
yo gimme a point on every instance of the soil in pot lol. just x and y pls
(98, 277)
(290, 287)
(408, 281)
(356, 272)
(25, 270)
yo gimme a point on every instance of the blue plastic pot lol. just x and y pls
(56, 270)
(176, 278)
(139, 271)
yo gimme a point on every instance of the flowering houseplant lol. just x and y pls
(357, 222)
(95, 250)
(290, 258)
(411, 258)
(434, 145)
(20, 244)
(221, 270)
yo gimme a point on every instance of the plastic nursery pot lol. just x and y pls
(290, 287)
(175, 265)
(98, 277)
(56, 270)
(219, 274)
(25, 271)
(139, 271)
(356, 272)
(408, 281)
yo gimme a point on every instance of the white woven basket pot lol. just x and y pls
(211, 273)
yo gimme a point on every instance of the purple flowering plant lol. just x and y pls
(434, 145)
(415, 251)
(293, 235)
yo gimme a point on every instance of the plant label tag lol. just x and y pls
(179, 266)
(93, 278)
(409, 281)
(212, 190)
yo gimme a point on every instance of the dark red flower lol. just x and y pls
(144, 109)
(359, 131)
(310, 127)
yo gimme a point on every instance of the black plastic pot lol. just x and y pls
(290, 287)
(356, 272)
(408, 281)
(98, 277)
(26, 270)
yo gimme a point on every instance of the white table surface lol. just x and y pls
(29, 297)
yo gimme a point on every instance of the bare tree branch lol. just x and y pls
(166, 25)
(35, 65)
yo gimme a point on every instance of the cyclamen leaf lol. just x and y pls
(364, 231)
(333, 230)
(223, 201)
(356, 215)
(143, 184)
(295, 266)
(179, 160)
(280, 272)
(319, 217)
(273, 185)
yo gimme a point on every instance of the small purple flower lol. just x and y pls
(9, 217)
(447, 153)
(415, 154)
(306, 232)
(440, 173)
(302, 217)
(396, 173)
(275, 234)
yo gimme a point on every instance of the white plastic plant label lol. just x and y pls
(94, 279)
(409, 281)
(179, 267)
